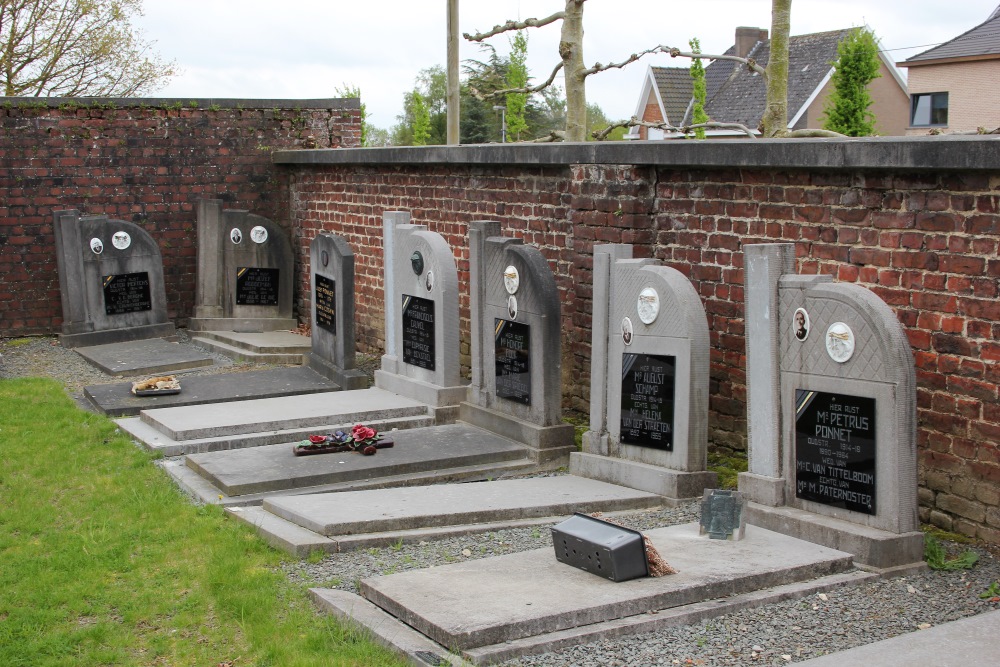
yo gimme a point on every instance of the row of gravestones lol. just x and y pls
(831, 390)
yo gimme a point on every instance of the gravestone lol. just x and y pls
(245, 272)
(649, 379)
(837, 465)
(421, 318)
(516, 345)
(331, 262)
(110, 281)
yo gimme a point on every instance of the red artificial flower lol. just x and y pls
(361, 433)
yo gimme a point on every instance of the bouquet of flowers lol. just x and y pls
(361, 438)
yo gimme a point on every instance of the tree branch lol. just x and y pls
(749, 62)
(598, 67)
(514, 25)
(527, 91)
(684, 129)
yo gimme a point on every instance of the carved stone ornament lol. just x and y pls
(258, 234)
(648, 305)
(121, 240)
(511, 279)
(840, 342)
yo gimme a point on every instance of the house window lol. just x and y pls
(929, 109)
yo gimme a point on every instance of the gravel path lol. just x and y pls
(775, 634)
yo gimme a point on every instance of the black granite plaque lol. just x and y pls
(126, 293)
(648, 400)
(325, 300)
(835, 450)
(418, 332)
(512, 354)
(256, 286)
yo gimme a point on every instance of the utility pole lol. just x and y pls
(452, 99)
(502, 108)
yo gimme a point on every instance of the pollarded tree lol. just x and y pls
(71, 48)
(848, 107)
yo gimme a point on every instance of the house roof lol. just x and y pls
(738, 96)
(676, 88)
(983, 40)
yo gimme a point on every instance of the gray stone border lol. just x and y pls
(966, 152)
(185, 102)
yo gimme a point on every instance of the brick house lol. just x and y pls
(953, 86)
(737, 96)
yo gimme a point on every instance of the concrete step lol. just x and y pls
(266, 342)
(455, 504)
(117, 400)
(282, 413)
(240, 354)
(275, 468)
(156, 441)
(487, 602)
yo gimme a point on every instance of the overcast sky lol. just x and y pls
(308, 48)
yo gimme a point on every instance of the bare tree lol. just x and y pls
(76, 47)
(774, 122)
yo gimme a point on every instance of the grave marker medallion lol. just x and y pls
(127, 293)
(256, 286)
(647, 400)
(835, 450)
(325, 298)
(418, 332)
(513, 361)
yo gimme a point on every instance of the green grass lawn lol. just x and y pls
(104, 562)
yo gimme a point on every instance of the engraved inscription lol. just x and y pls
(325, 299)
(647, 401)
(512, 356)
(835, 450)
(126, 293)
(418, 332)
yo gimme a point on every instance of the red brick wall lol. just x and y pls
(146, 163)
(925, 243)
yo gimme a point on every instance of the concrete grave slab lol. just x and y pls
(245, 272)
(649, 378)
(421, 324)
(331, 263)
(507, 598)
(110, 281)
(153, 356)
(516, 344)
(117, 400)
(454, 504)
(275, 468)
(286, 412)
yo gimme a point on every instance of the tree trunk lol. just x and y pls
(571, 52)
(774, 122)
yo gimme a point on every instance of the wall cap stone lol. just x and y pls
(185, 102)
(967, 152)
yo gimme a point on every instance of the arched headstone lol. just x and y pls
(110, 280)
(648, 379)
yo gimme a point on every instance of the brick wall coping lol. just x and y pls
(166, 102)
(974, 152)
